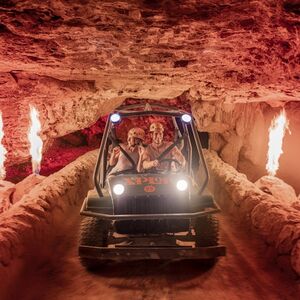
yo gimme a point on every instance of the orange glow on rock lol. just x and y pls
(2, 150)
(36, 143)
(276, 134)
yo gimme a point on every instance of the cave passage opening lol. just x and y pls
(238, 133)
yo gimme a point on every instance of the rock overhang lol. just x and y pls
(77, 60)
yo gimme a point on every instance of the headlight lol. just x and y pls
(182, 185)
(119, 189)
(115, 118)
(186, 118)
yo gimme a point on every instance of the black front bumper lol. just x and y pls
(145, 253)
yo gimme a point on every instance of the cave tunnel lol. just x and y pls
(212, 87)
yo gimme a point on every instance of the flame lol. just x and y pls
(2, 150)
(276, 134)
(36, 143)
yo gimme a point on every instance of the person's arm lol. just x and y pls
(114, 156)
(147, 163)
(141, 151)
(176, 154)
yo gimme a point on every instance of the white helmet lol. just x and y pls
(136, 132)
(156, 127)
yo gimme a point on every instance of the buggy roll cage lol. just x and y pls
(135, 110)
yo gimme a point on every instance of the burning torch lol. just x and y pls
(277, 130)
(271, 184)
(36, 143)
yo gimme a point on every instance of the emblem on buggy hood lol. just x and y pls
(149, 188)
(147, 180)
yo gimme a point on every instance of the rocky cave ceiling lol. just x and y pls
(232, 63)
(75, 60)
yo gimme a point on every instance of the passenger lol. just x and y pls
(118, 160)
(150, 154)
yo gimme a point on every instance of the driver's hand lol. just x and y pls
(155, 163)
(116, 151)
(141, 150)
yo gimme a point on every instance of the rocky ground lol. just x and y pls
(38, 246)
(247, 272)
(234, 63)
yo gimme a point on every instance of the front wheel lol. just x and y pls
(93, 232)
(207, 235)
(207, 231)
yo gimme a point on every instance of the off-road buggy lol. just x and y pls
(156, 214)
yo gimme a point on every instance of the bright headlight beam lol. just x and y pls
(186, 118)
(119, 189)
(182, 185)
(115, 118)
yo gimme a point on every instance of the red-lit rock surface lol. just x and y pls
(234, 62)
(11, 193)
(247, 272)
(278, 188)
(71, 146)
(239, 133)
(39, 254)
(53, 161)
(25, 186)
(6, 191)
(76, 60)
(33, 229)
(274, 219)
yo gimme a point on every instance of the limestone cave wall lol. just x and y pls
(239, 134)
(76, 60)
(253, 156)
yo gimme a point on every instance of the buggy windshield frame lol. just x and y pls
(188, 133)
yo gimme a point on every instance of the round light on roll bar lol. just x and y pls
(182, 185)
(186, 118)
(119, 189)
(115, 118)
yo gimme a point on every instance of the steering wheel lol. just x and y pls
(170, 160)
(127, 171)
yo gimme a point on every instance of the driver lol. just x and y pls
(118, 160)
(150, 154)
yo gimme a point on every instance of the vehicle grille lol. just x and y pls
(150, 205)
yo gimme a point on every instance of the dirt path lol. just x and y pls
(245, 273)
